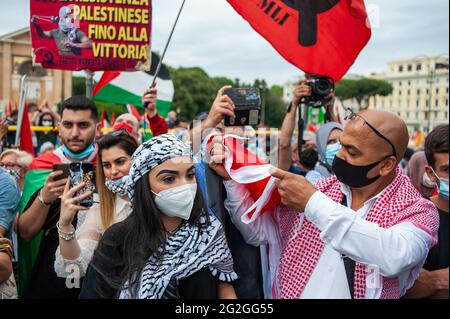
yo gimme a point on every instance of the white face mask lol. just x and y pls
(426, 181)
(47, 123)
(177, 201)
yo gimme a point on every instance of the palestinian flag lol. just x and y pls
(104, 122)
(35, 179)
(133, 111)
(128, 87)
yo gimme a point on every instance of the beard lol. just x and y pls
(80, 146)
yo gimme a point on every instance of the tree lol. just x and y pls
(362, 90)
(277, 90)
(275, 110)
(78, 85)
(223, 81)
(194, 91)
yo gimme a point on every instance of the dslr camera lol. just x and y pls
(321, 87)
(248, 107)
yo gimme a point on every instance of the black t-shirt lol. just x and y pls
(438, 255)
(43, 282)
(97, 283)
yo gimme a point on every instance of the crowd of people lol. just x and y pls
(359, 215)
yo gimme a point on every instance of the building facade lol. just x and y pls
(16, 61)
(421, 92)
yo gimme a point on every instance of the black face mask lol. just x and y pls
(354, 176)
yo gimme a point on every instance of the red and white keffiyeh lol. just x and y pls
(400, 202)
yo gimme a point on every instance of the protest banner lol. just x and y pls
(91, 34)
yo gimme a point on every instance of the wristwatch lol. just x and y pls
(39, 197)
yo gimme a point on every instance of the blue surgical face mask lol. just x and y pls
(331, 152)
(443, 186)
(79, 156)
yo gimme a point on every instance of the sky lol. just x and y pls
(211, 35)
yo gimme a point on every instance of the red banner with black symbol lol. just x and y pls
(94, 35)
(321, 37)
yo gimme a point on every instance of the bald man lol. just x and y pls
(363, 234)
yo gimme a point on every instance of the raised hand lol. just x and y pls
(149, 100)
(218, 154)
(222, 106)
(70, 205)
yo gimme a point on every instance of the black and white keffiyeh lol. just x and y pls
(153, 153)
(118, 187)
(190, 250)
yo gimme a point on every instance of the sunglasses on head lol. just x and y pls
(118, 133)
(351, 116)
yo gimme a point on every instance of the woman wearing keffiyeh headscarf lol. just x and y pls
(169, 247)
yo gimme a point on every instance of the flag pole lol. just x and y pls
(158, 68)
(167, 45)
(22, 98)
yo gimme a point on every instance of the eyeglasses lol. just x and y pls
(10, 166)
(351, 116)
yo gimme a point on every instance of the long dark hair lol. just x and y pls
(143, 234)
(41, 118)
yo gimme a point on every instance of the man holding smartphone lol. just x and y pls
(77, 132)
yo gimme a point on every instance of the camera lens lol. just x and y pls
(323, 87)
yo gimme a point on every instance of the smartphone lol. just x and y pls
(61, 167)
(79, 173)
(248, 107)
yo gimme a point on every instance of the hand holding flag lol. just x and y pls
(149, 100)
(231, 160)
(218, 154)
